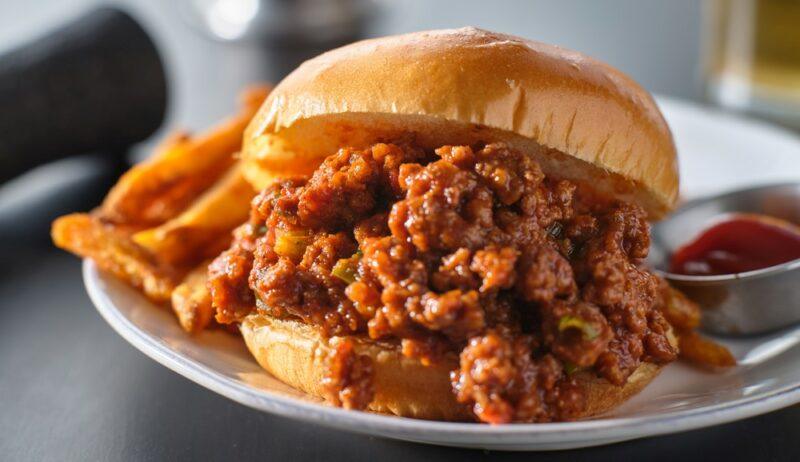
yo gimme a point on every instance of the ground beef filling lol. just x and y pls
(348, 376)
(467, 250)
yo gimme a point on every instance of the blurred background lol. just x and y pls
(728, 52)
(211, 48)
(94, 84)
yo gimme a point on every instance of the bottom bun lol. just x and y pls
(294, 353)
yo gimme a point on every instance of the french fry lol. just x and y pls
(704, 352)
(191, 300)
(114, 252)
(170, 142)
(202, 230)
(159, 189)
(682, 313)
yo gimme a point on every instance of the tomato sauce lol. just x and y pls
(736, 245)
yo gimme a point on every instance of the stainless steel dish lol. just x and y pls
(749, 303)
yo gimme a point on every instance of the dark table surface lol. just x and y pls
(72, 389)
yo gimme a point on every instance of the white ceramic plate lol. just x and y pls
(718, 152)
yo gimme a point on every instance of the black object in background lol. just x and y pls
(94, 85)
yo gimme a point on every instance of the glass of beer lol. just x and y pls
(752, 57)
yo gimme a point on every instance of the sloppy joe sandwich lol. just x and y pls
(452, 225)
(442, 225)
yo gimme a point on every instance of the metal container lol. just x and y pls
(754, 302)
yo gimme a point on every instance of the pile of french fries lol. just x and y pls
(167, 217)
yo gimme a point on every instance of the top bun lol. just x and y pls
(581, 119)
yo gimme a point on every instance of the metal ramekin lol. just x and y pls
(754, 302)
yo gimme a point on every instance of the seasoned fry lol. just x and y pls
(114, 252)
(682, 313)
(171, 141)
(191, 300)
(159, 189)
(704, 352)
(203, 230)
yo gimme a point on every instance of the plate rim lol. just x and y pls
(616, 428)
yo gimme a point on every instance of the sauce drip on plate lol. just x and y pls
(738, 244)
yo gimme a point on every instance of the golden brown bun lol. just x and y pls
(466, 86)
(294, 352)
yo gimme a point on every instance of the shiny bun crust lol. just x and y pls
(581, 119)
(294, 353)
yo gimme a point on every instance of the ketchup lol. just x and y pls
(738, 244)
